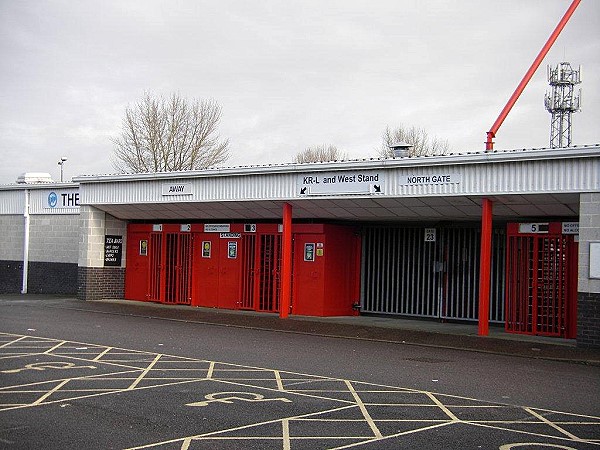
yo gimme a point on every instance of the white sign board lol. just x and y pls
(594, 259)
(570, 228)
(177, 189)
(217, 228)
(61, 200)
(533, 228)
(230, 235)
(430, 235)
(432, 178)
(347, 182)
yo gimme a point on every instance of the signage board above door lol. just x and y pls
(177, 189)
(346, 182)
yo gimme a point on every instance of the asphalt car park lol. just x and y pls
(90, 393)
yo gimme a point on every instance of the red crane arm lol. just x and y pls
(489, 144)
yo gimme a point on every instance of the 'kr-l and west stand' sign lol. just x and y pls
(327, 183)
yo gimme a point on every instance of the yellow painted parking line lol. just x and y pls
(364, 410)
(552, 424)
(60, 344)
(393, 436)
(279, 381)
(100, 355)
(443, 407)
(99, 394)
(49, 393)
(301, 394)
(153, 368)
(144, 373)
(285, 425)
(242, 427)
(13, 341)
(538, 435)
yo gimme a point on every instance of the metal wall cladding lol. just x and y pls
(51, 200)
(12, 201)
(216, 188)
(514, 177)
(481, 174)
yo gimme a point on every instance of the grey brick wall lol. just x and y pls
(589, 231)
(588, 297)
(53, 253)
(54, 238)
(11, 244)
(588, 320)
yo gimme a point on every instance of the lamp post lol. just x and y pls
(61, 163)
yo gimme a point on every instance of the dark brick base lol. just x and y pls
(96, 283)
(11, 277)
(42, 278)
(588, 320)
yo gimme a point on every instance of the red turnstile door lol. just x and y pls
(155, 254)
(268, 280)
(541, 289)
(249, 265)
(178, 268)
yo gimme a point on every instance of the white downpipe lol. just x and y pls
(26, 243)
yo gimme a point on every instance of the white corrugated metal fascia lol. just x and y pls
(445, 160)
(11, 202)
(32, 186)
(531, 176)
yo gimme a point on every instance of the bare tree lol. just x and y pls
(422, 143)
(169, 134)
(320, 153)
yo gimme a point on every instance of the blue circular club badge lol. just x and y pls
(52, 199)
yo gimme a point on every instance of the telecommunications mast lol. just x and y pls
(561, 101)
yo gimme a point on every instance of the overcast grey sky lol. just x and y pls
(288, 74)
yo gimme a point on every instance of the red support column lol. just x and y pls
(286, 263)
(485, 267)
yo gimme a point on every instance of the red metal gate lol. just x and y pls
(261, 272)
(169, 279)
(155, 267)
(248, 271)
(541, 289)
(177, 268)
(269, 280)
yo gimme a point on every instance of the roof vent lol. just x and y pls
(400, 149)
(34, 178)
